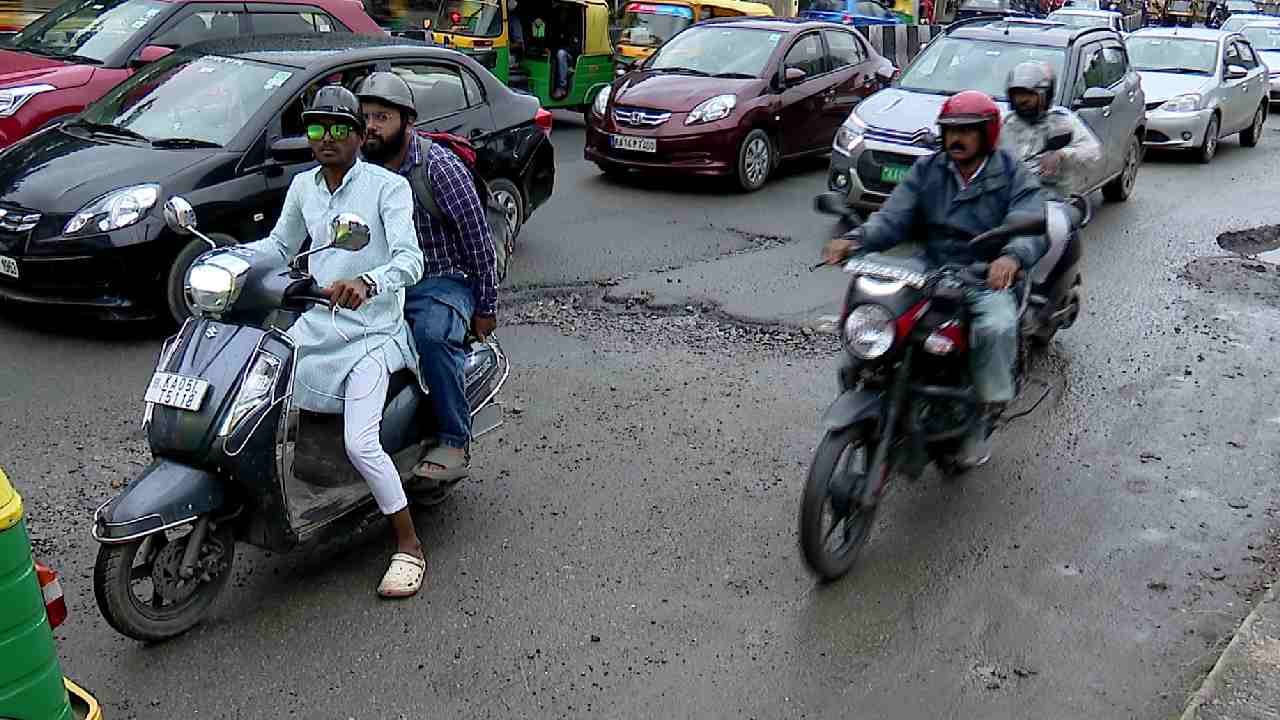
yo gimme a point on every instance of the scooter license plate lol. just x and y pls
(177, 391)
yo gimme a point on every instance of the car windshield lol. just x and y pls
(1235, 22)
(201, 100)
(1263, 37)
(87, 30)
(952, 64)
(481, 18)
(1241, 6)
(1181, 6)
(1076, 20)
(982, 4)
(717, 50)
(1170, 54)
(651, 24)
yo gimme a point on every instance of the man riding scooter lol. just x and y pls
(1033, 120)
(968, 187)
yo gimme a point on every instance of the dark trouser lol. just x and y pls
(439, 313)
(563, 61)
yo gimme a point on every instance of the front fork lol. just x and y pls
(879, 467)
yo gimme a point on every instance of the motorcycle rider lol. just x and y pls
(1033, 120)
(968, 187)
(346, 358)
(459, 286)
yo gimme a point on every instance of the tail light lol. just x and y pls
(542, 119)
(54, 604)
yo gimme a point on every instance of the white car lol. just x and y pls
(1265, 39)
(1081, 18)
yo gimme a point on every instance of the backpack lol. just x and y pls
(494, 214)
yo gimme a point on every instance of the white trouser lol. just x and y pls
(362, 421)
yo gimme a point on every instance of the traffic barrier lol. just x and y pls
(900, 43)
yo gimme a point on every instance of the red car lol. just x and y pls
(734, 97)
(78, 51)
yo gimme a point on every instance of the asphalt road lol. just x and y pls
(626, 546)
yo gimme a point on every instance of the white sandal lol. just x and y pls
(404, 576)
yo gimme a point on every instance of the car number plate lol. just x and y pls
(894, 173)
(178, 391)
(8, 266)
(638, 144)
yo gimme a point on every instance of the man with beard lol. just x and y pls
(1034, 119)
(458, 289)
(947, 198)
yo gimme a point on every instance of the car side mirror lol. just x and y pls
(793, 76)
(1235, 72)
(291, 150)
(1094, 98)
(150, 54)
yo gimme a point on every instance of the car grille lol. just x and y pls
(640, 117)
(1156, 136)
(16, 224)
(924, 137)
(870, 164)
(1154, 105)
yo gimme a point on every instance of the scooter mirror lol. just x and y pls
(179, 215)
(348, 231)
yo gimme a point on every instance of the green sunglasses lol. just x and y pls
(337, 131)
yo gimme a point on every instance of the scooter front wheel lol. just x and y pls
(141, 590)
(833, 526)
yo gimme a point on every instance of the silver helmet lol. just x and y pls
(1036, 77)
(388, 88)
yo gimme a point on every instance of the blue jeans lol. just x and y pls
(993, 342)
(439, 312)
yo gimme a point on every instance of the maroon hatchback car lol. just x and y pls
(734, 97)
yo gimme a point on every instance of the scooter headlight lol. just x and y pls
(214, 281)
(868, 332)
(254, 392)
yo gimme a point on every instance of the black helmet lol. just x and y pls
(390, 89)
(335, 102)
(1036, 77)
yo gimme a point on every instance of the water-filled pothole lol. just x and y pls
(1262, 242)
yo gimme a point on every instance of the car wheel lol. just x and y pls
(1210, 146)
(508, 196)
(1121, 188)
(175, 284)
(1251, 136)
(755, 160)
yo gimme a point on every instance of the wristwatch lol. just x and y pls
(368, 280)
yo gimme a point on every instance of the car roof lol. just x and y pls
(1188, 33)
(1269, 22)
(1024, 31)
(787, 25)
(307, 51)
(1085, 12)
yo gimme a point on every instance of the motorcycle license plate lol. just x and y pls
(177, 391)
(893, 173)
(636, 144)
(8, 266)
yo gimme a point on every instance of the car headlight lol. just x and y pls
(601, 101)
(849, 136)
(1182, 103)
(868, 331)
(254, 392)
(712, 109)
(115, 210)
(13, 98)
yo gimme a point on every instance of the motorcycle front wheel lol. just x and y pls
(833, 526)
(141, 591)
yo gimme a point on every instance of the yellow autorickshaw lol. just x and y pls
(644, 26)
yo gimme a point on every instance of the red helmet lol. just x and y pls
(972, 107)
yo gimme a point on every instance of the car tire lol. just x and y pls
(1209, 147)
(755, 160)
(511, 200)
(175, 293)
(1250, 136)
(1121, 188)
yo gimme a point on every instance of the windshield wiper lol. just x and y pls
(681, 71)
(109, 129)
(57, 56)
(181, 142)
(1178, 70)
(735, 76)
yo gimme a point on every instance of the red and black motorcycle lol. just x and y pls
(906, 393)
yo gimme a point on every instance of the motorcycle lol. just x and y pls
(233, 460)
(906, 394)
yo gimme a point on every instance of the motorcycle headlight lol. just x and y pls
(13, 98)
(712, 109)
(868, 331)
(601, 102)
(117, 209)
(214, 281)
(1182, 103)
(849, 136)
(254, 392)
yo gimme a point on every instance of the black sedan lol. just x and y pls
(221, 124)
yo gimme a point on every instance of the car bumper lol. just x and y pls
(1275, 89)
(1176, 130)
(858, 173)
(711, 150)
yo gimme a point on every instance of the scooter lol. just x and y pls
(233, 460)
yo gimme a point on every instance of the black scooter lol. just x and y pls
(233, 460)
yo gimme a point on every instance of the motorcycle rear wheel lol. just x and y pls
(831, 552)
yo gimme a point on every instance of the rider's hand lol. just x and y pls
(1002, 272)
(1049, 163)
(349, 294)
(482, 326)
(837, 249)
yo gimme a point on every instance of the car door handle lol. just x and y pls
(1106, 112)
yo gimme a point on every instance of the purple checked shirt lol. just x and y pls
(461, 245)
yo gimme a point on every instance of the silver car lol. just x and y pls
(1265, 39)
(1082, 18)
(1201, 85)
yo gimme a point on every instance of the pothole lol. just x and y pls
(1262, 242)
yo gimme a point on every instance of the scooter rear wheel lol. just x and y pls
(833, 532)
(174, 605)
